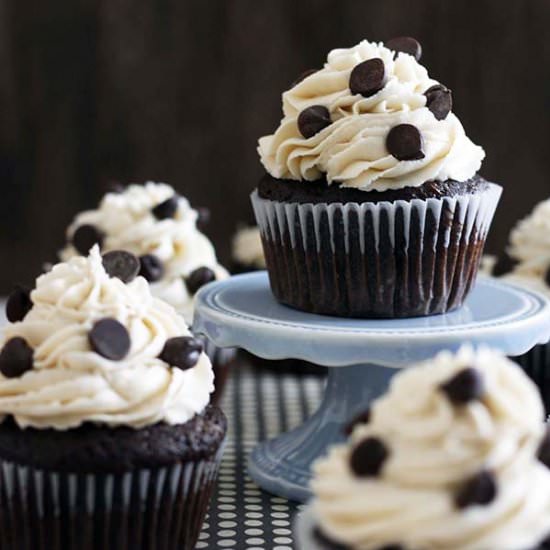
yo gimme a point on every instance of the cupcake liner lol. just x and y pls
(400, 259)
(221, 359)
(145, 509)
(536, 364)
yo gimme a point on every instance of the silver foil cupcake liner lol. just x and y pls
(142, 509)
(400, 259)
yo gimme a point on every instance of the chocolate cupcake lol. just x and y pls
(455, 455)
(159, 226)
(247, 256)
(107, 438)
(526, 262)
(372, 205)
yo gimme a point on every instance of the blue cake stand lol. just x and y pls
(242, 312)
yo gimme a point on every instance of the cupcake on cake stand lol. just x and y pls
(362, 355)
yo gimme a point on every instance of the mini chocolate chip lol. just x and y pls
(16, 357)
(182, 352)
(505, 264)
(121, 264)
(203, 217)
(543, 453)
(361, 418)
(303, 76)
(439, 101)
(464, 387)
(85, 237)
(166, 209)
(405, 44)
(110, 339)
(481, 489)
(198, 278)
(151, 268)
(368, 77)
(404, 142)
(368, 457)
(19, 304)
(313, 119)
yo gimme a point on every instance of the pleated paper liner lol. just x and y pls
(377, 260)
(146, 509)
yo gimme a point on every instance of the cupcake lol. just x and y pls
(107, 438)
(159, 226)
(372, 205)
(455, 455)
(248, 256)
(247, 253)
(526, 262)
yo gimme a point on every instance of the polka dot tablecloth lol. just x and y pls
(259, 404)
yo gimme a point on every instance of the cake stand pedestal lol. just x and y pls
(242, 312)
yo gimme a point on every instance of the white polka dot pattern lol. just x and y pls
(259, 404)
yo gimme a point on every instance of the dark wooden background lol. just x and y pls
(180, 90)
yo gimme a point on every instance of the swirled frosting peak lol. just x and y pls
(448, 458)
(329, 131)
(159, 227)
(100, 351)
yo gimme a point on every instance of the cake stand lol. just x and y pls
(242, 312)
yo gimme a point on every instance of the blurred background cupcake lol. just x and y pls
(455, 455)
(372, 205)
(160, 227)
(526, 262)
(108, 440)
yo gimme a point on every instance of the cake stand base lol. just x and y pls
(283, 465)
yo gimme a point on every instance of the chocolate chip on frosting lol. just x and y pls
(480, 489)
(368, 77)
(313, 119)
(303, 76)
(543, 453)
(151, 268)
(361, 418)
(166, 209)
(110, 339)
(368, 457)
(85, 237)
(19, 303)
(16, 357)
(121, 264)
(439, 101)
(182, 352)
(464, 387)
(405, 44)
(404, 142)
(198, 278)
(505, 264)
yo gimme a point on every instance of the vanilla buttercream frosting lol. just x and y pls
(70, 383)
(434, 446)
(247, 249)
(127, 221)
(351, 150)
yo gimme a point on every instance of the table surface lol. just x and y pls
(259, 404)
